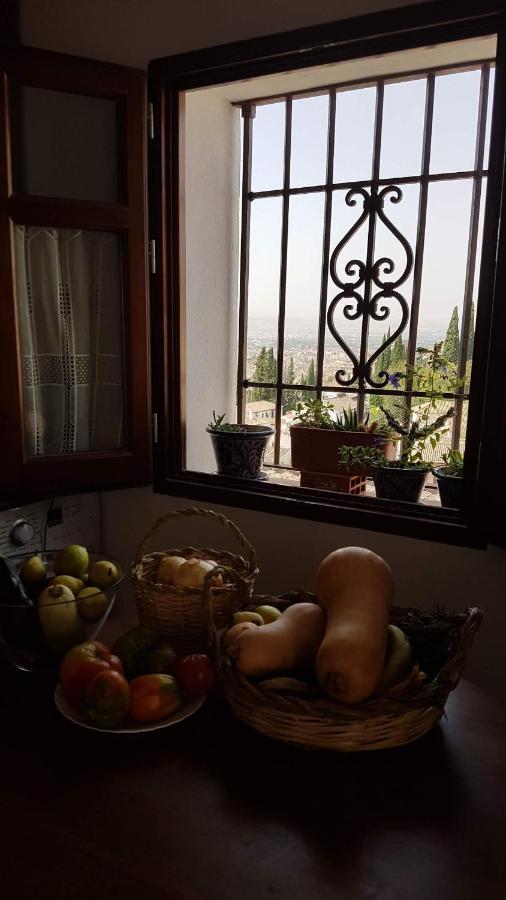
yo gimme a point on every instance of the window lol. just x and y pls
(351, 220)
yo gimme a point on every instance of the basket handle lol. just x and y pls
(214, 641)
(204, 513)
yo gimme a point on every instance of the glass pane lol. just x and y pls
(70, 299)
(355, 115)
(491, 87)
(402, 130)
(65, 145)
(268, 147)
(309, 141)
(263, 292)
(444, 265)
(456, 100)
(303, 286)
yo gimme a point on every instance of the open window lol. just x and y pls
(326, 205)
(73, 317)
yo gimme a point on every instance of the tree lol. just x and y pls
(290, 397)
(398, 356)
(470, 343)
(452, 339)
(265, 371)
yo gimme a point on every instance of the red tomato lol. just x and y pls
(106, 699)
(80, 665)
(153, 697)
(195, 675)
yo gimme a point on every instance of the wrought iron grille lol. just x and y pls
(372, 284)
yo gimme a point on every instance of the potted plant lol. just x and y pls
(317, 435)
(404, 478)
(239, 450)
(450, 479)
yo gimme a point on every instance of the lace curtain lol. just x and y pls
(69, 300)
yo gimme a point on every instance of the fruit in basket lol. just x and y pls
(58, 618)
(268, 613)
(91, 604)
(192, 574)
(398, 661)
(247, 616)
(134, 645)
(291, 642)
(103, 574)
(81, 664)
(72, 560)
(231, 635)
(106, 699)
(195, 675)
(33, 571)
(75, 584)
(355, 587)
(167, 568)
(153, 697)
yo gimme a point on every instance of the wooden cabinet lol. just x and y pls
(74, 390)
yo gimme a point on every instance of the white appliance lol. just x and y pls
(50, 524)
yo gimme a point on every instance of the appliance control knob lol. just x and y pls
(21, 533)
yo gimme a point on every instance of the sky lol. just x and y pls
(449, 202)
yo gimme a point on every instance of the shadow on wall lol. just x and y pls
(289, 551)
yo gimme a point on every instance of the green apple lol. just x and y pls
(72, 560)
(247, 616)
(91, 604)
(75, 584)
(103, 574)
(33, 571)
(59, 619)
(268, 613)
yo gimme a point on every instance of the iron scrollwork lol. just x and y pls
(372, 276)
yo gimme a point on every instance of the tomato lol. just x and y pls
(153, 697)
(195, 675)
(106, 699)
(80, 665)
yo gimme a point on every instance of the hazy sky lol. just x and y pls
(453, 148)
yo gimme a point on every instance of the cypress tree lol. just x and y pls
(289, 399)
(452, 339)
(386, 356)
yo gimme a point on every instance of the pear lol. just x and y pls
(75, 584)
(33, 571)
(91, 604)
(398, 660)
(268, 613)
(246, 616)
(72, 560)
(58, 618)
(103, 574)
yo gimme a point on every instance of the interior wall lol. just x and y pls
(132, 32)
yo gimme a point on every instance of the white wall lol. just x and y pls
(132, 32)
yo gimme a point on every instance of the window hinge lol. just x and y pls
(155, 428)
(152, 256)
(151, 121)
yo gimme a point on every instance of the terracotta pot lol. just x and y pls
(317, 449)
(240, 454)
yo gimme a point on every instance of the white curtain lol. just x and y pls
(69, 297)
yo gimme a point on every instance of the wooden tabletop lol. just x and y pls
(209, 810)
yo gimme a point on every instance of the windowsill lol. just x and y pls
(424, 521)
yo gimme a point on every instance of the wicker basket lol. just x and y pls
(176, 612)
(322, 723)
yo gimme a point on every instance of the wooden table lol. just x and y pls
(208, 809)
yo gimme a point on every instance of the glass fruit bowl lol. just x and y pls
(35, 634)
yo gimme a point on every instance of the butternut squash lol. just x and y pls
(355, 587)
(288, 643)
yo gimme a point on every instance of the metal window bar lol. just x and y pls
(471, 255)
(424, 179)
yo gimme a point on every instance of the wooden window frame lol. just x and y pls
(484, 510)
(22, 476)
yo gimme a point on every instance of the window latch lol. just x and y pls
(151, 121)
(152, 256)
(155, 428)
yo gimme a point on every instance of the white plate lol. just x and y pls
(187, 710)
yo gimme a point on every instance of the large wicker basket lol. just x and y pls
(176, 612)
(319, 722)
